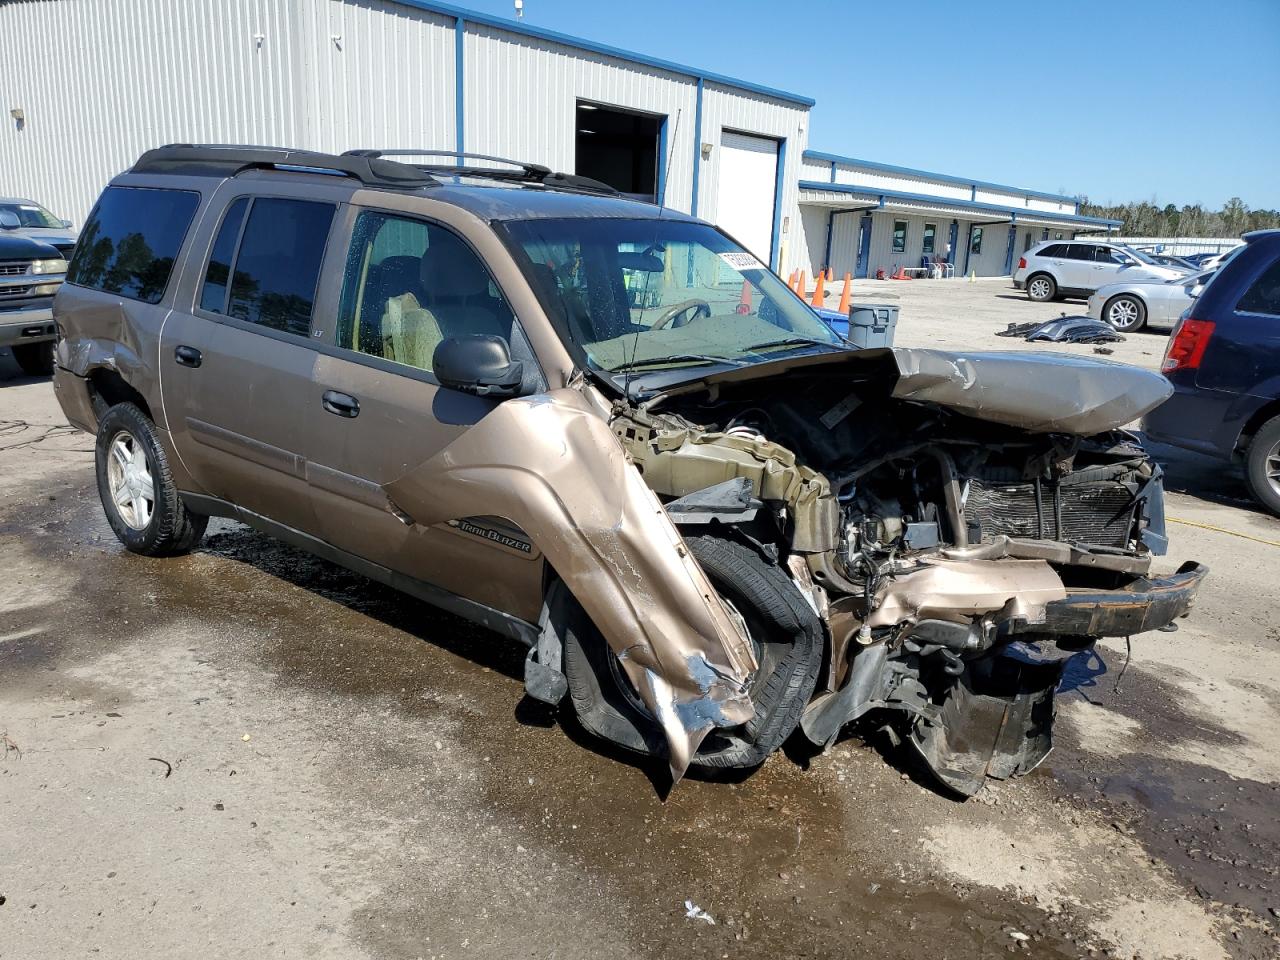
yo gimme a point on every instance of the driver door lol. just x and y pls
(379, 411)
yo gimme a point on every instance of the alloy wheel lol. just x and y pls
(130, 482)
(1039, 289)
(1272, 467)
(1123, 314)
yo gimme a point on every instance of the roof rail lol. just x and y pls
(527, 173)
(226, 160)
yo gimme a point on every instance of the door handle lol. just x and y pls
(340, 404)
(188, 356)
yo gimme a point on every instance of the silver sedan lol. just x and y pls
(1131, 305)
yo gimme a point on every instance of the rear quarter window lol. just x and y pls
(131, 240)
(1264, 295)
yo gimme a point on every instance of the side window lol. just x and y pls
(899, 236)
(975, 240)
(213, 296)
(131, 240)
(1053, 250)
(1078, 251)
(1106, 255)
(409, 285)
(1264, 295)
(277, 265)
(930, 232)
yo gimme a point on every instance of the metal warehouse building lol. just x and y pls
(336, 75)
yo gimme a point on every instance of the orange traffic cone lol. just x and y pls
(744, 302)
(791, 281)
(900, 274)
(801, 284)
(846, 293)
(819, 289)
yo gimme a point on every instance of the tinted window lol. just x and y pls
(975, 240)
(213, 296)
(1078, 251)
(1107, 255)
(1264, 295)
(410, 284)
(1053, 250)
(899, 236)
(278, 263)
(131, 241)
(930, 231)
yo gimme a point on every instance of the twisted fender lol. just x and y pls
(552, 465)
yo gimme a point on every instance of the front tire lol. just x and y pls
(1126, 313)
(35, 359)
(1042, 288)
(788, 639)
(135, 485)
(1262, 465)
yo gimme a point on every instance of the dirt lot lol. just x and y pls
(250, 753)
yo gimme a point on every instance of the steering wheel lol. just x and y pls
(700, 308)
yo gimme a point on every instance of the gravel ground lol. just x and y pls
(247, 752)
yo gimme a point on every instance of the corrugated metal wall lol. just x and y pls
(334, 75)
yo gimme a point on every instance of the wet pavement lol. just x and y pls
(251, 752)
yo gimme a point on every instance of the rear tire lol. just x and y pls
(35, 359)
(1262, 465)
(1042, 288)
(788, 639)
(138, 494)
(1126, 313)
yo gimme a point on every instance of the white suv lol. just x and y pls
(1076, 268)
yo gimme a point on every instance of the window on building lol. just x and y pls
(131, 240)
(975, 240)
(899, 236)
(1264, 295)
(618, 147)
(277, 266)
(930, 232)
(410, 284)
(1057, 236)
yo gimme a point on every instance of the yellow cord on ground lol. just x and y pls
(1209, 526)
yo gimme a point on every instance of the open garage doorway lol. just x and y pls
(622, 148)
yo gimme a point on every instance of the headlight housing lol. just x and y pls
(49, 266)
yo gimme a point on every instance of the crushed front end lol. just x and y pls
(962, 526)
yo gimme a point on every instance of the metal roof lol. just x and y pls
(944, 177)
(875, 195)
(464, 15)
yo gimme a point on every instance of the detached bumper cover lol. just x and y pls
(1148, 603)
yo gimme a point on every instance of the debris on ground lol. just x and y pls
(1105, 351)
(9, 745)
(168, 767)
(1063, 330)
(694, 912)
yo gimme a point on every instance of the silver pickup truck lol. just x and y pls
(31, 272)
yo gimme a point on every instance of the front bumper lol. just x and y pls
(30, 323)
(1148, 603)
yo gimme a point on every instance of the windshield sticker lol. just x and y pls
(741, 260)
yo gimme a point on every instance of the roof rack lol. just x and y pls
(527, 172)
(226, 160)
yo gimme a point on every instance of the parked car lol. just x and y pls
(1197, 259)
(1217, 260)
(1076, 268)
(1224, 363)
(27, 218)
(1131, 304)
(30, 274)
(605, 429)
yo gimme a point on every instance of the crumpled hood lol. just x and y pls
(1036, 392)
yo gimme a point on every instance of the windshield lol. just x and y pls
(31, 215)
(1145, 258)
(643, 295)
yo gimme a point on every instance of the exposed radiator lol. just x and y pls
(1098, 512)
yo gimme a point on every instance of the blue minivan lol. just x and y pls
(1223, 360)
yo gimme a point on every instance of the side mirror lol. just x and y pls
(478, 364)
(9, 220)
(66, 224)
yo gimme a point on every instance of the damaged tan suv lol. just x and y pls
(605, 430)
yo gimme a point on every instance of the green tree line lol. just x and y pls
(1149, 219)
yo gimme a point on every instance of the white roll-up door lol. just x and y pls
(748, 178)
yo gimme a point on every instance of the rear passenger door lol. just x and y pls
(1076, 272)
(238, 364)
(378, 411)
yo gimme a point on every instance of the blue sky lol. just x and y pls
(1118, 100)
